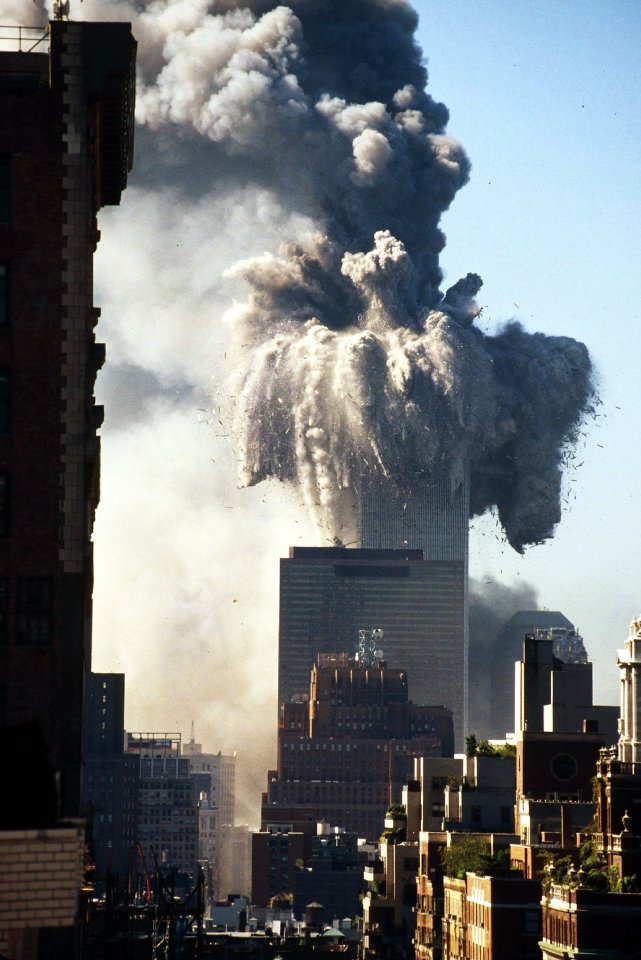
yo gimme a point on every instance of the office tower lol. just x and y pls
(345, 752)
(167, 802)
(214, 775)
(433, 518)
(506, 650)
(328, 594)
(110, 776)
(66, 138)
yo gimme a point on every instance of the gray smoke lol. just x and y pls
(352, 363)
(491, 604)
(256, 123)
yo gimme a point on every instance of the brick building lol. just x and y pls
(66, 140)
(580, 922)
(345, 753)
(491, 918)
(276, 856)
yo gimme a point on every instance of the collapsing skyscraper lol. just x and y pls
(409, 578)
(435, 519)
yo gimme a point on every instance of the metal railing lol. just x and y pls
(18, 39)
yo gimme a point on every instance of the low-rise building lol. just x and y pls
(580, 922)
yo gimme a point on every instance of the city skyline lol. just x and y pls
(173, 531)
(205, 493)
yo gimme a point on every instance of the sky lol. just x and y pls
(544, 99)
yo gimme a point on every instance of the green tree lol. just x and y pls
(469, 854)
(471, 745)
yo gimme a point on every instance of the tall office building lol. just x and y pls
(110, 776)
(345, 753)
(328, 594)
(66, 140)
(214, 775)
(167, 801)
(434, 519)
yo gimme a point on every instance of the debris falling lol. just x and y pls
(352, 364)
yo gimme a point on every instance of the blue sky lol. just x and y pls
(545, 99)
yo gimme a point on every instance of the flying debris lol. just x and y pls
(351, 362)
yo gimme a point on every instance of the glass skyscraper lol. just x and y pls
(328, 594)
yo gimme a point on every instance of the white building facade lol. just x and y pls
(629, 663)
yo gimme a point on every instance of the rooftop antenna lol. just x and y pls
(61, 10)
(192, 735)
(368, 642)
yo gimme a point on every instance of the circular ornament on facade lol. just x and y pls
(564, 766)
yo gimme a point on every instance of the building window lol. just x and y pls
(5, 189)
(5, 409)
(4, 295)
(35, 611)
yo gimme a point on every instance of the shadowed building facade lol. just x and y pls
(328, 594)
(66, 146)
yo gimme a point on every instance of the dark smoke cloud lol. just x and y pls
(491, 604)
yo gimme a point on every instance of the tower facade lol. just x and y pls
(66, 144)
(329, 594)
(434, 519)
(629, 662)
(110, 776)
